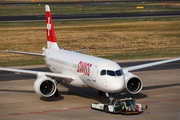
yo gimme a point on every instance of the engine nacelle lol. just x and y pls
(133, 83)
(45, 86)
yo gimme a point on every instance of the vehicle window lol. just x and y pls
(119, 72)
(103, 72)
(130, 103)
(117, 103)
(111, 73)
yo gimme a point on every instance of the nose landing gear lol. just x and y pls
(111, 97)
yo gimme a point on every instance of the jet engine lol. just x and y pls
(133, 83)
(45, 86)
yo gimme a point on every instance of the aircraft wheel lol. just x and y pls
(56, 94)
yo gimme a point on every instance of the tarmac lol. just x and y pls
(19, 101)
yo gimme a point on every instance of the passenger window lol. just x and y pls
(103, 72)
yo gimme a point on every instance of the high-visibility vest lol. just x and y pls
(123, 107)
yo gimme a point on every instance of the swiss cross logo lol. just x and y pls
(48, 26)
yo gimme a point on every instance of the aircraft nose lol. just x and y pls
(116, 85)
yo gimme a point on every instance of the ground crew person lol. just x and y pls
(123, 107)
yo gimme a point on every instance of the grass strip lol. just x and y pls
(112, 7)
(112, 39)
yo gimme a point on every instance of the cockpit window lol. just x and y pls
(119, 72)
(111, 73)
(103, 72)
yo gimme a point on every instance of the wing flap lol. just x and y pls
(137, 67)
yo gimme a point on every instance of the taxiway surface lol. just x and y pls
(19, 101)
(91, 16)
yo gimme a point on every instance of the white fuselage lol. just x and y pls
(86, 69)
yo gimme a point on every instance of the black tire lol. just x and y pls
(56, 94)
(106, 109)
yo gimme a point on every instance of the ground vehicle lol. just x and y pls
(124, 106)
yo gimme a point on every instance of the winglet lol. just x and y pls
(50, 34)
(47, 9)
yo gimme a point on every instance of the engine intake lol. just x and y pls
(133, 83)
(45, 86)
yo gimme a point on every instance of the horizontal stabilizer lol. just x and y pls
(25, 53)
(81, 50)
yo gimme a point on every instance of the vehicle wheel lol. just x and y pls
(56, 94)
(106, 109)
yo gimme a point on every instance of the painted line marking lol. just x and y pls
(157, 101)
(45, 111)
(79, 108)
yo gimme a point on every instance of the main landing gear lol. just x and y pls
(56, 94)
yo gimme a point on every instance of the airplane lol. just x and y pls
(81, 70)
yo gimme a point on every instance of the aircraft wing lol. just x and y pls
(137, 67)
(25, 53)
(50, 74)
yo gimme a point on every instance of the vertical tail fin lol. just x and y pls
(50, 34)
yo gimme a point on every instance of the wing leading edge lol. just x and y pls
(137, 67)
(68, 77)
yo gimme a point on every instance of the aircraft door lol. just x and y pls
(97, 79)
(95, 74)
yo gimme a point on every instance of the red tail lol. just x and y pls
(50, 34)
(50, 27)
